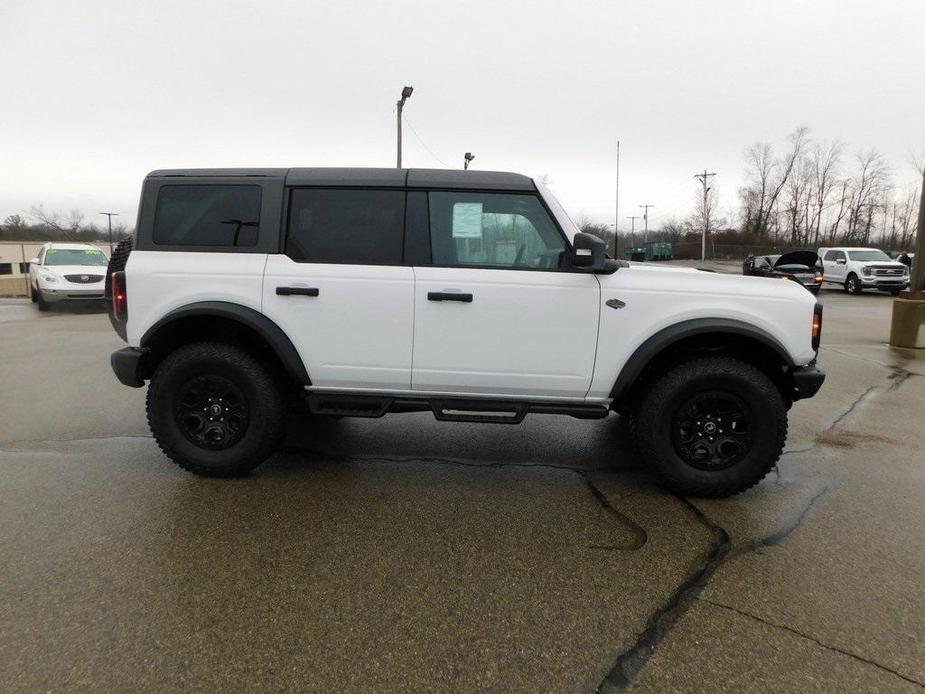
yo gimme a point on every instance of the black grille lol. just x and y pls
(83, 279)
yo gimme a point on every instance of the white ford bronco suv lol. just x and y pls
(249, 294)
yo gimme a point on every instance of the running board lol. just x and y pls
(485, 410)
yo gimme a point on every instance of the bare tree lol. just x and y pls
(868, 184)
(826, 160)
(767, 176)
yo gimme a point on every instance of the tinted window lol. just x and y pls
(207, 215)
(355, 227)
(494, 230)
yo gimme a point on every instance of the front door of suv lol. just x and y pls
(340, 290)
(833, 266)
(496, 311)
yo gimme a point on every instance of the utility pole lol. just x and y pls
(632, 219)
(110, 215)
(616, 219)
(706, 213)
(467, 159)
(645, 218)
(405, 95)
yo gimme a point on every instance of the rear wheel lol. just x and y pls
(853, 285)
(712, 427)
(215, 410)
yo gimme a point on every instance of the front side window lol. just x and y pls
(341, 226)
(207, 215)
(504, 230)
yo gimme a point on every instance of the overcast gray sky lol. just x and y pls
(96, 93)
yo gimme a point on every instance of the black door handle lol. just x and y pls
(449, 296)
(297, 291)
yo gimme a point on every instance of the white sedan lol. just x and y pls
(67, 271)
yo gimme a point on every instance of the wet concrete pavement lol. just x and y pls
(404, 553)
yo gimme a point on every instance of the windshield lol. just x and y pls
(75, 256)
(868, 255)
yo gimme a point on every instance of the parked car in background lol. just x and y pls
(67, 271)
(800, 266)
(857, 269)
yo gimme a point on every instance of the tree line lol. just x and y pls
(810, 193)
(73, 227)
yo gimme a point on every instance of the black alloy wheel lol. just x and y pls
(712, 430)
(212, 412)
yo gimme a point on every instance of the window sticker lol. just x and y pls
(467, 220)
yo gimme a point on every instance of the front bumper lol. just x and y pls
(807, 380)
(127, 364)
(884, 284)
(79, 292)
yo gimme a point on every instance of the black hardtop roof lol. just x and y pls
(387, 178)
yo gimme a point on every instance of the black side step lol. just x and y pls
(345, 405)
(486, 410)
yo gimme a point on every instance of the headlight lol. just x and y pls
(50, 279)
(906, 270)
(866, 270)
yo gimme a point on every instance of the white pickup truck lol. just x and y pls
(468, 294)
(857, 269)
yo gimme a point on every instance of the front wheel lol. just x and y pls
(712, 427)
(853, 285)
(215, 410)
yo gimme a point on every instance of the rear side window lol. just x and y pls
(207, 215)
(352, 227)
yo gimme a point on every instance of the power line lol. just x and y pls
(424, 145)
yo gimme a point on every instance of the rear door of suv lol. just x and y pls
(340, 289)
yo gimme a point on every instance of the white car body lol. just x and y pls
(841, 265)
(52, 282)
(465, 293)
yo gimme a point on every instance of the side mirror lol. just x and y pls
(588, 252)
(840, 261)
(34, 261)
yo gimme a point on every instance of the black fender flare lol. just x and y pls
(666, 337)
(273, 335)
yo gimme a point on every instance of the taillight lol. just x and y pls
(817, 326)
(119, 296)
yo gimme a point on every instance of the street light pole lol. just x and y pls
(467, 159)
(405, 95)
(109, 216)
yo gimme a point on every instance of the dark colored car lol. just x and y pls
(799, 266)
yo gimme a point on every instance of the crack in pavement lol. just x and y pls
(23, 445)
(861, 398)
(816, 641)
(640, 536)
(631, 661)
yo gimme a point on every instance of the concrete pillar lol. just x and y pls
(908, 321)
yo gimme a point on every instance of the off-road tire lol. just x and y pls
(262, 392)
(853, 284)
(667, 395)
